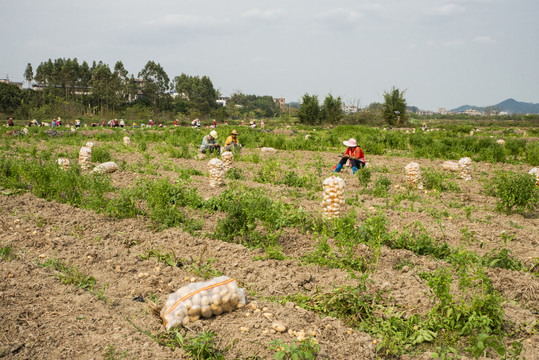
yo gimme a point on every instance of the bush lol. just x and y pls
(532, 153)
(515, 191)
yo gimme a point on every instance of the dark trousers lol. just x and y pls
(211, 149)
(355, 163)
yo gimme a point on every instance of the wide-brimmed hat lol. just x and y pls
(234, 132)
(213, 134)
(350, 143)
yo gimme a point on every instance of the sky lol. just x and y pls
(442, 53)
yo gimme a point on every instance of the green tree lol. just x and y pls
(309, 110)
(394, 107)
(10, 98)
(29, 74)
(332, 110)
(156, 82)
(199, 93)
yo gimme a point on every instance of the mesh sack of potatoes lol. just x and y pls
(85, 157)
(451, 166)
(106, 168)
(228, 160)
(89, 144)
(501, 142)
(202, 300)
(535, 171)
(127, 140)
(465, 168)
(413, 175)
(63, 163)
(217, 172)
(333, 197)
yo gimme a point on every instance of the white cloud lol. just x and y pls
(187, 21)
(454, 43)
(484, 40)
(447, 10)
(340, 14)
(258, 14)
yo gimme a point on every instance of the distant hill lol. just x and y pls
(510, 105)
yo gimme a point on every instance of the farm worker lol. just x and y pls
(214, 123)
(354, 153)
(53, 123)
(122, 122)
(59, 121)
(232, 141)
(176, 122)
(77, 123)
(210, 144)
(10, 122)
(242, 123)
(262, 124)
(151, 122)
(35, 122)
(134, 124)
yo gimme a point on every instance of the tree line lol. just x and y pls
(67, 87)
(70, 89)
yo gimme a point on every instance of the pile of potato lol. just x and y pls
(85, 157)
(333, 198)
(501, 142)
(465, 168)
(205, 299)
(106, 168)
(63, 163)
(127, 140)
(451, 166)
(413, 175)
(228, 160)
(217, 172)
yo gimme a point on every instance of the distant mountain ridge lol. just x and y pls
(510, 105)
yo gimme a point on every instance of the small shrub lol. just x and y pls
(515, 192)
(364, 176)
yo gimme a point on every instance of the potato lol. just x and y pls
(196, 299)
(232, 287)
(216, 309)
(195, 310)
(205, 300)
(194, 318)
(206, 312)
(225, 299)
(234, 299)
(187, 303)
(216, 299)
(185, 320)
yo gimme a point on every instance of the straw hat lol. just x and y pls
(213, 134)
(350, 143)
(234, 132)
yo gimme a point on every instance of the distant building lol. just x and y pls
(280, 102)
(473, 112)
(349, 109)
(7, 81)
(222, 100)
(425, 112)
(442, 111)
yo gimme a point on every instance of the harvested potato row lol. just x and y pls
(451, 166)
(217, 172)
(202, 300)
(413, 175)
(465, 168)
(63, 163)
(106, 168)
(85, 157)
(333, 197)
(228, 160)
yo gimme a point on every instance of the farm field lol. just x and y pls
(447, 271)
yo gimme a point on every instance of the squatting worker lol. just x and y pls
(232, 141)
(354, 154)
(210, 144)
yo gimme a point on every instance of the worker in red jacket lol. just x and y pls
(354, 154)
